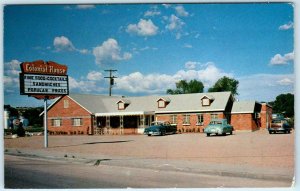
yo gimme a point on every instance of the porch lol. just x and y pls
(122, 123)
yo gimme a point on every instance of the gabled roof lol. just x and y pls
(243, 107)
(208, 96)
(166, 99)
(125, 101)
(105, 105)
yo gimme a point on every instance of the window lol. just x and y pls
(173, 119)
(76, 122)
(56, 122)
(186, 119)
(205, 102)
(213, 116)
(66, 104)
(200, 119)
(121, 106)
(161, 104)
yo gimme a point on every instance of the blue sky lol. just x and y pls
(153, 46)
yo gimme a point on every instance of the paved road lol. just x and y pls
(22, 172)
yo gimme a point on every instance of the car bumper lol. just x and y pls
(152, 133)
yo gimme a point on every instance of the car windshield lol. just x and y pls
(276, 121)
(216, 122)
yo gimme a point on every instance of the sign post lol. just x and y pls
(45, 124)
(44, 80)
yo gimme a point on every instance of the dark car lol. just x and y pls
(160, 128)
(279, 125)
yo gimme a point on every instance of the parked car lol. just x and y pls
(160, 128)
(218, 127)
(279, 125)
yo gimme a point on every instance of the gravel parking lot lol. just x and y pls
(257, 149)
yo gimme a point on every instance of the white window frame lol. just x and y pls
(161, 104)
(200, 119)
(173, 119)
(205, 102)
(121, 106)
(76, 122)
(56, 122)
(214, 116)
(66, 104)
(186, 119)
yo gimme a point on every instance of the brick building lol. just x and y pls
(99, 114)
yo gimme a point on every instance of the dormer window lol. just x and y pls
(163, 102)
(123, 103)
(207, 100)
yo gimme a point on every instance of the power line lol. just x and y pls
(111, 79)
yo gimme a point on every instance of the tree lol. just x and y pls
(225, 84)
(184, 87)
(32, 114)
(284, 104)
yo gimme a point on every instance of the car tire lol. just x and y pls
(230, 132)
(149, 135)
(207, 134)
(270, 132)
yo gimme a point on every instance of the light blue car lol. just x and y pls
(218, 127)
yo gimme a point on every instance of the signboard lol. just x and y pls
(43, 84)
(43, 79)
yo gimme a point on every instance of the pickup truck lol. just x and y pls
(279, 125)
(160, 128)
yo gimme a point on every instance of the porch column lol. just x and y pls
(107, 124)
(121, 125)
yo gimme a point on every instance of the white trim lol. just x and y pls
(189, 111)
(125, 113)
(243, 112)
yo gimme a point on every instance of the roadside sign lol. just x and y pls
(43, 84)
(44, 80)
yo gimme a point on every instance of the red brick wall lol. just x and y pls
(66, 114)
(193, 126)
(266, 115)
(243, 121)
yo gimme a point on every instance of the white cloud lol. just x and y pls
(11, 76)
(152, 12)
(143, 28)
(63, 44)
(287, 26)
(180, 11)
(85, 6)
(187, 46)
(191, 65)
(109, 52)
(94, 76)
(85, 85)
(278, 59)
(158, 83)
(175, 23)
(265, 87)
(285, 81)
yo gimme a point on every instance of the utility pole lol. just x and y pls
(111, 79)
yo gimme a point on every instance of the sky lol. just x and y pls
(153, 46)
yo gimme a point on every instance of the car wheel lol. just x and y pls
(149, 135)
(270, 132)
(230, 132)
(208, 134)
